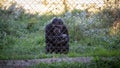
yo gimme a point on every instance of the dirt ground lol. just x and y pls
(27, 63)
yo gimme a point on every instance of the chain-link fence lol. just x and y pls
(59, 33)
(59, 6)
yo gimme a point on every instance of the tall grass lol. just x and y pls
(23, 37)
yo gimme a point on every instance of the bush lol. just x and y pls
(6, 29)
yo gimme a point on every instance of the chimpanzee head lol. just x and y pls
(57, 25)
(57, 22)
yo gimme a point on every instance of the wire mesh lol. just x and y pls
(91, 28)
(58, 6)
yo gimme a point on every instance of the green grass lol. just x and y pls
(23, 38)
(98, 62)
(33, 49)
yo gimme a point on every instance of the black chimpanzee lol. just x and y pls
(56, 37)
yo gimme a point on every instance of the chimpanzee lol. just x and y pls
(56, 37)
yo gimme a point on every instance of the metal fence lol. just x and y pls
(91, 28)
(58, 6)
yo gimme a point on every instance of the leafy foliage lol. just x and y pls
(23, 37)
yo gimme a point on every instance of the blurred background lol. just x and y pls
(94, 29)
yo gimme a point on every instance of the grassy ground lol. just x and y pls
(96, 63)
(23, 37)
(79, 62)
